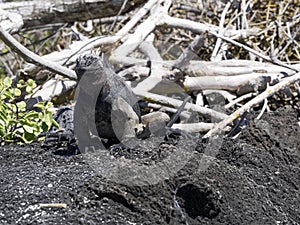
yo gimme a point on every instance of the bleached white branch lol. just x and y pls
(9, 21)
(221, 31)
(231, 83)
(271, 90)
(175, 103)
(199, 28)
(34, 58)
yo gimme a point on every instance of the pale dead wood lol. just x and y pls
(184, 115)
(143, 30)
(235, 67)
(79, 47)
(200, 127)
(38, 12)
(200, 99)
(53, 205)
(53, 88)
(226, 94)
(135, 71)
(147, 47)
(260, 55)
(32, 57)
(10, 22)
(264, 108)
(239, 99)
(236, 76)
(219, 128)
(199, 28)
(231, 67)
(230, 83)
(189, 53)
(137, 39)
(175, 103)
(157, 17)
(216, 55)
(152, 117)
(125, 2)
(156, 69)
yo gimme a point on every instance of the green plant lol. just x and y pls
(16, 123)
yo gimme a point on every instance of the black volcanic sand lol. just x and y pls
(252, 180)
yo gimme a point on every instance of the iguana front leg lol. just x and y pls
(125, 122)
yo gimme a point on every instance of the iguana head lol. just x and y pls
(89, 64)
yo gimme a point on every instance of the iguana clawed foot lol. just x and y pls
(64, 136)
(58, 137)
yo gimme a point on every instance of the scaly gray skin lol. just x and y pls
(106, 107)
(103, 94)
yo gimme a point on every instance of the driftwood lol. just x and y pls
(36, 13)
(69, 55)
(235, 80)
(230, 83)
(9, 21)
(219, 128)
(32, 57)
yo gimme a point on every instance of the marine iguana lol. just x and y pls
(106, 107)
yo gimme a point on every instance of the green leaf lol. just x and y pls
(27, 122)
(31, 115)
(48, 118)
(48, 105)
(2, 97)
(5, 50)
(23, 126)
(12, 108)
(16, 92)
(13, 121)
(20, 84)
(2, 123)
(40, 105)
(45, 127)
(54, 123)
(29, 129)
(31, 83)
(8, 95)
(28, 137)
(21, 105)
(3, 116)
(28, 89)
(7, 82)
(2, 131)
(3, 106)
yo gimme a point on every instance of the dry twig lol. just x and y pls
(53, 205)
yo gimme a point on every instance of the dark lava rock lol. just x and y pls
(252, 180)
